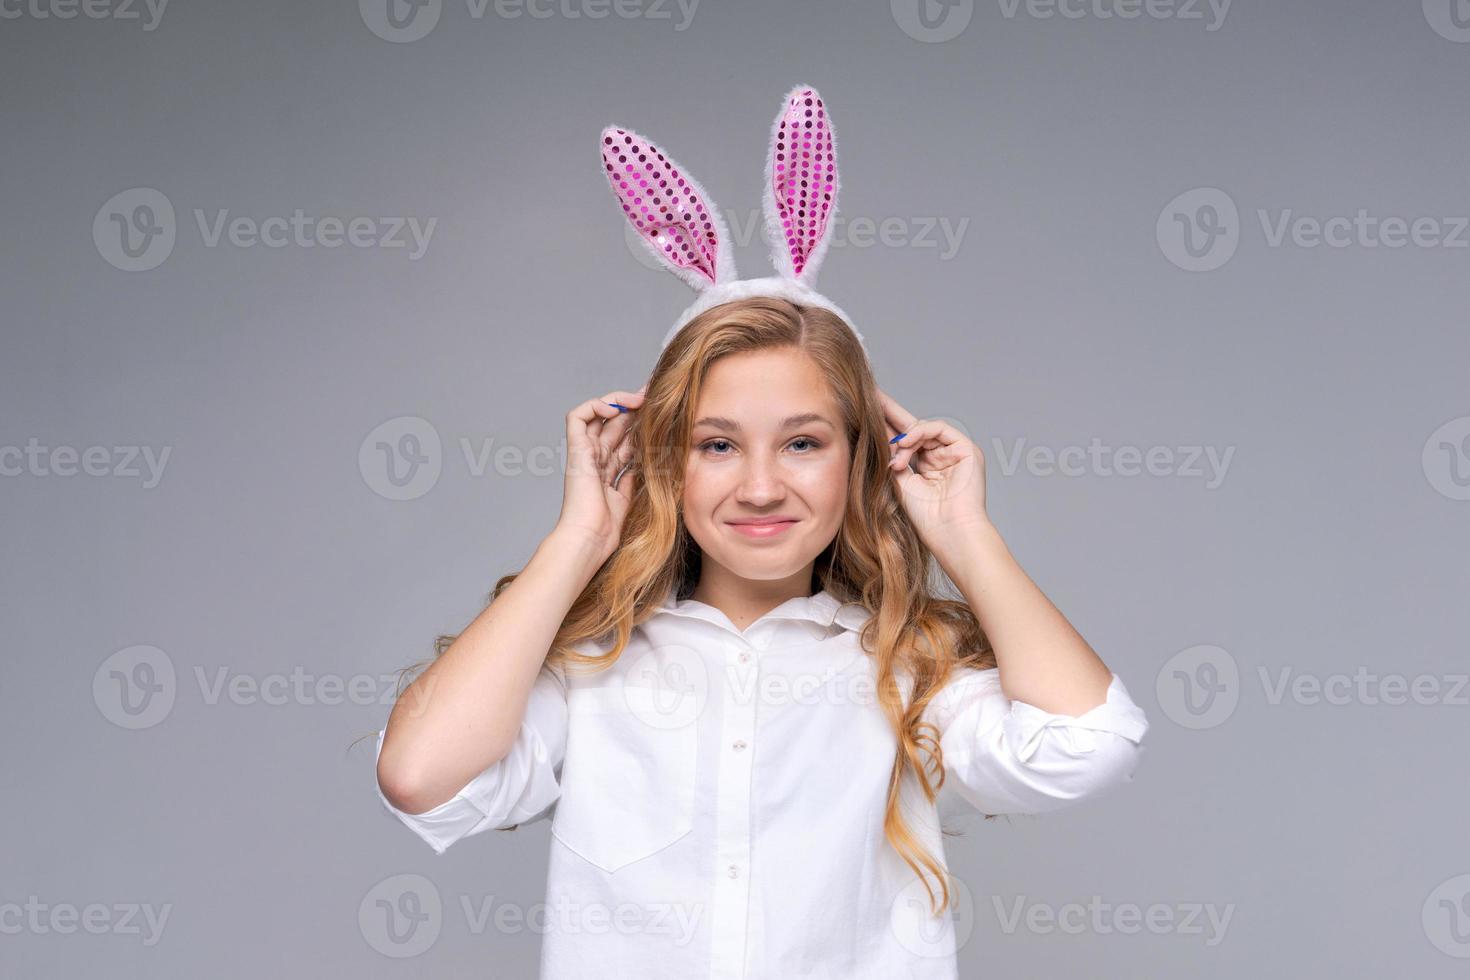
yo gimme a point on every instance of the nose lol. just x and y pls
(761, 482)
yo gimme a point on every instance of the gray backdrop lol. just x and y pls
(1194, 279)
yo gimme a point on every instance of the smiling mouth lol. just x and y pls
(766, 529)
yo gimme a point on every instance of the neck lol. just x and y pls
(744, 600)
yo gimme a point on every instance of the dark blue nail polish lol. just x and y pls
(897, 437)
(621, 408)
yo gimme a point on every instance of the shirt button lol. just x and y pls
(739, 744)
(744, 657)
(734, 871)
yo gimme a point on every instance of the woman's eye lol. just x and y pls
(709, 446)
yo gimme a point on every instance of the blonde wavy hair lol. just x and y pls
(876, 559)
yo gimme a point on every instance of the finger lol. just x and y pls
(621, 469)
(611, 430)
(922, 435)
(615, 430)
(585, 422)
(929, 434)
(616, 447)
(603, 408)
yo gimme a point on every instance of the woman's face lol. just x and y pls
(767, 443)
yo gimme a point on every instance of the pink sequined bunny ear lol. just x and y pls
(675, 219)
(800, 199)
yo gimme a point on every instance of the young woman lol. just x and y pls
(725, 677)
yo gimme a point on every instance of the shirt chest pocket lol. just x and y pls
(627, 783)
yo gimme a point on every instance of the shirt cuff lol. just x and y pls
(446, 823)
(1026, 725)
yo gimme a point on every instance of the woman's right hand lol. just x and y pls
(597, 448)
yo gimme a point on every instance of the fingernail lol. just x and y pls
(621, 408)
(897, 437)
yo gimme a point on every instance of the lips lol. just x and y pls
(763, 527)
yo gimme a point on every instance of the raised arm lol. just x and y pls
(464, 713)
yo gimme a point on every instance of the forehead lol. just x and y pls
(757, 384)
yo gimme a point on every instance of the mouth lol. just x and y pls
(763, 527)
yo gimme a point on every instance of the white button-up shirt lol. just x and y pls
(717, 798)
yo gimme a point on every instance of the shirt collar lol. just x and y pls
(823, 608)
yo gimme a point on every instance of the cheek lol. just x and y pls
(825, 489)
(701, 490)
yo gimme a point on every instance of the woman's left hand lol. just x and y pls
(944, 493)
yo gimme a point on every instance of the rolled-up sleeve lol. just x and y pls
(517, 789)
(1005, 756)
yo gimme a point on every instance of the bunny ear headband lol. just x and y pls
(679, 223)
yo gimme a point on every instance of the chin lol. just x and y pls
(766, 572)
(768, 565)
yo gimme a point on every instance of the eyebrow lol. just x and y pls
(791, 422)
